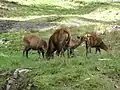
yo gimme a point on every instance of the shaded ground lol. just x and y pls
(35, 24)
(48, 22)
(17, 25)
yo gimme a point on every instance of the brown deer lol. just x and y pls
(73, 44)
(34, 42)
(93, 40)
(58, 40)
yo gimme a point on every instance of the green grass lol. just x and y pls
(78, 73)
(54, 2)
(46, 8)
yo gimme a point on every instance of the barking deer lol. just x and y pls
(34, 42)
(93, 40)
(73, 44)
(58, 40)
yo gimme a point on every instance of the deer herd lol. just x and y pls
(61, 41)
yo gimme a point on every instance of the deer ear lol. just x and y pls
(78, 37)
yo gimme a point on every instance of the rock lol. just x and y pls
(86, 79)
(20, 80)
(115, 0)
(4, 41)
(112, 28)
(117, 85)
(20, 72)
(104, 59)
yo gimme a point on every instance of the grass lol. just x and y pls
(53, 2)
(81, 7)
(78, 73)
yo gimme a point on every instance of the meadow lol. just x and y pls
(97, 72)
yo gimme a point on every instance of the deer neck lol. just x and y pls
(76, 43)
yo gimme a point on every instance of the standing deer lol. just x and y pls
(34, 42)
(57, 42)
(73, 44)
(93, 40)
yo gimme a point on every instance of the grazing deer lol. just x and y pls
(94, 41)
(35, 43)
(73, 44)
(58, 40)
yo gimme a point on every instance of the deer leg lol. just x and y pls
(89, 49)
(68, 52)
(25, 48)
(62, 52)
(72, 52)
(43, 52)
(47, 56)
(98, 49)
(52, 55)
(28, 49)
(39, 53)
(86, 48)
(58, 52)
